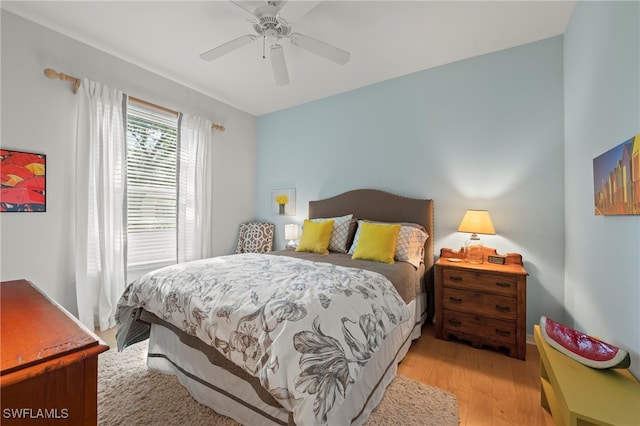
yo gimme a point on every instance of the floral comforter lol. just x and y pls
(305, 329)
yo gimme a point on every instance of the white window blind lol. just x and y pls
(151, 188)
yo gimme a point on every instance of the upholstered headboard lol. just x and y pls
(383, 206)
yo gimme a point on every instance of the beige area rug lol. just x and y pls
(131, 394)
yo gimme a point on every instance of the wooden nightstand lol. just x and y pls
(484, 304)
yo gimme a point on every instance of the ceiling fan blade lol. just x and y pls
(279, 65)
(227, 47)
(291, 11)
(320, 48)
(244, 9)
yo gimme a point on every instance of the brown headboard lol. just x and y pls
(384, 206)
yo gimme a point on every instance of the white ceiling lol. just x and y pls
(386, 39)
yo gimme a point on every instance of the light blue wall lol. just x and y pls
(483, 133)
(602, 107)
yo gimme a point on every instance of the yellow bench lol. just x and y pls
(578, 395)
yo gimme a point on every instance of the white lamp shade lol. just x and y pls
(291, 232)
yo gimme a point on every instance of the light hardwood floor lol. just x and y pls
(491, 388)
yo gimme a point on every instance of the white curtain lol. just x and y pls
(100, 204)
(195, 188)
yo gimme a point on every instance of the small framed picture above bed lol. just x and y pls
(283, 202)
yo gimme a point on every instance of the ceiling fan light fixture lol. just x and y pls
(271, 36)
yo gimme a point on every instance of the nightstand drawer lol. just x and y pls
(467, 326)
(489, 305)
(481, 281)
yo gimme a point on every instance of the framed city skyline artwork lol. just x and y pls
(616, 179)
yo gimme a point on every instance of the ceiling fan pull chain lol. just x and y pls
(264, 41)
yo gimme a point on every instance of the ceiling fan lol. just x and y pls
(272, 22)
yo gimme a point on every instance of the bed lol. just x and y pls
(293, 337)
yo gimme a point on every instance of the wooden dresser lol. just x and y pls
(49, 361)
(484, 304)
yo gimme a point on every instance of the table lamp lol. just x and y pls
(475, 222)
(291, 233)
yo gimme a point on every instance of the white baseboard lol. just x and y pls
(530, 340)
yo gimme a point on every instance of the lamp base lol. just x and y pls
(474, 251)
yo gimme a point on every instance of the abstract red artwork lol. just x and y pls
(22, 181)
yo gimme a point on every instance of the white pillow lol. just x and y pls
(410, 245)
(338, 242)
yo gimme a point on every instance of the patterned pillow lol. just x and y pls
(340, 234)
(255, 238)
(410, 245)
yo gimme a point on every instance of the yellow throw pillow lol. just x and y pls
(377, 242)
(315, 236)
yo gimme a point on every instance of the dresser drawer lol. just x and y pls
(485, 304)
(481, 281)
(468, 326)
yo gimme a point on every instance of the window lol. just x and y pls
(151, 189)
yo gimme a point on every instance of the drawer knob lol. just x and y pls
(502, 332)
(455, 300)
(455, 278)
(502, 308)
(454, 322)
(504, 285)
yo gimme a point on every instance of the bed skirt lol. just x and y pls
(233, 393)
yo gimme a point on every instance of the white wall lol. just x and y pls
(602, 109)
(483, 133)
(39, 115)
